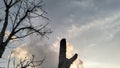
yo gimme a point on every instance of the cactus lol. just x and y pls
(63, 61)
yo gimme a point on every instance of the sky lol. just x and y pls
(92, 27)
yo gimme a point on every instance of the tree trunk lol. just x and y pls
(63, 61)
(2, 49)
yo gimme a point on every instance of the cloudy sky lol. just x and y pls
(92, 27)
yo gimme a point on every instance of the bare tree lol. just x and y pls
(64, 62)
(17, 20)
(27, 62)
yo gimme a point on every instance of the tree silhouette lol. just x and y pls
(17, 20)
(63, 61)
(27, 62)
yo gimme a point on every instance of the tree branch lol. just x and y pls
(21, 20)
(5, 3)
(18, 37)
(16, 15)
(2, 33)
(72, 59)
(16, 1)
(10, 2)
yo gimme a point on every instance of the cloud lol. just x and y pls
(94, 64)
(83, 3)
(90, 25)
(21, 52)
(83, 10)
(107, 26)
(96, 40)
(78, 63)
(40, 49)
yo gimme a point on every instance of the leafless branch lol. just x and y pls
(9, 59)
(30, 63)
(15, 2)
(5, 2)
(16, 13)
(23, 36)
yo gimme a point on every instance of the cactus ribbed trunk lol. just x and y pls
(64, 62)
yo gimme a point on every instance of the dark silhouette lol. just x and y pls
(17, 19)
(63, 61)
(27, 62)
(31, 63)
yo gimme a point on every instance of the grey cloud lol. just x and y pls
(62, 9)
(80, 12)
(40, 49)
(64, 13)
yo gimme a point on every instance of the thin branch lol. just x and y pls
(32, 29)
(18, 37)
(14, 63)
(10, 2)
(16, 1)
(9, 59)
(11, 18)
(21, 20)
(5, 3)
(30, 63)
(18, 11)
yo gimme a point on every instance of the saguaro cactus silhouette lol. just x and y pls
(63, 61)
